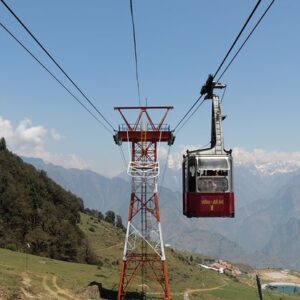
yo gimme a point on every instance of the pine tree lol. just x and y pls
(119, 223)
(110, 217)
(3, 144)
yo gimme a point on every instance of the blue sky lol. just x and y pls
(179, 44)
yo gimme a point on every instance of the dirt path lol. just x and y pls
(57, 292)
(110, 247)
(48, 289)
(25, 289)
(61, 291)
(186, 294)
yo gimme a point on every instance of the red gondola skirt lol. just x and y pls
(210, 205)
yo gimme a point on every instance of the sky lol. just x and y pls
(179, 43)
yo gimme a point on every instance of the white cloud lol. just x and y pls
(55, 135)
(28, 140)
(5, 128)
(29, 135)
(175, 159)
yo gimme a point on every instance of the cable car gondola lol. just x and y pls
(207, 173)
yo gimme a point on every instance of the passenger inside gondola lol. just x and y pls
(212, 180)
(192, 178)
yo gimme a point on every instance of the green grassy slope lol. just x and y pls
(45, 278)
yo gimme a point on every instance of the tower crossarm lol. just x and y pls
(143, 127)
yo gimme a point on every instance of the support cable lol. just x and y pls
(190, 116)
(223, 61)
(52, 75)
(56, 63)
(238, 36)
(224, 91)
(234, 57)
(123, 156)
(135, 53)
(186, 114)
(246, 40)
(164, 171)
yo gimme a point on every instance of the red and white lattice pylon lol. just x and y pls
(144, 258)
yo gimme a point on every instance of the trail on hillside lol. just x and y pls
(64, 292)
(110, 247)
(186, 294)
(48, 289)
(58, 293)
(25, 289)
(3, 294)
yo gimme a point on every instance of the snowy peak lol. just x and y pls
(264, 163)
(270, 169)
(258, 161)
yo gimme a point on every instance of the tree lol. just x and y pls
(3, 144)
(110, 217)
(94, 213)
(119, 223)
(100, 215)
(39, 241)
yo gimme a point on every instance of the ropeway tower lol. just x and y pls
(144, 260)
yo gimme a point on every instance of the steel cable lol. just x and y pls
(191, 108)
(56, 63)
(123, 156)
(220, 66)
(249, 35)
(238, 36)
(190, 116)
(164, 171)
(135, 53)
(51, 74)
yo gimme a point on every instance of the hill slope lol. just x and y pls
(36, 212)
(45, 278)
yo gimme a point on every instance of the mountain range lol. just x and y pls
(263, 233)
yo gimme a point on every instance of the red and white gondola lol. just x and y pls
(208, 173)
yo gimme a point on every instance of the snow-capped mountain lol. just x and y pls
(269, 168)
(264, 163)
(258, 162)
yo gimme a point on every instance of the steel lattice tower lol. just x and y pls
(144, 257)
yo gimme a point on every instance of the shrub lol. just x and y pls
(92, 229)
(12, 247)
(99, 264)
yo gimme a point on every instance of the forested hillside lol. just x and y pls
(36, 214)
